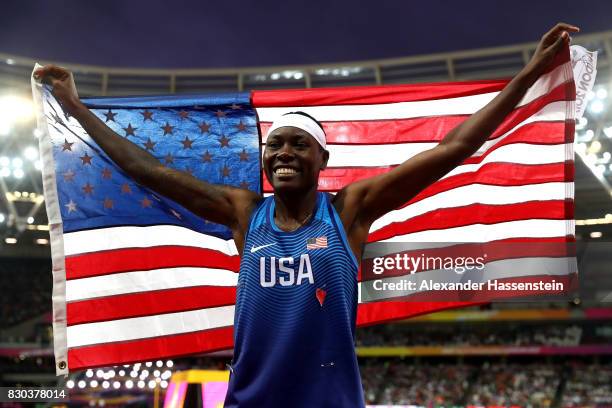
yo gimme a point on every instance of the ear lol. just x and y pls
(325, 158)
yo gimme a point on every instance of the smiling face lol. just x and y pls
(292, 159)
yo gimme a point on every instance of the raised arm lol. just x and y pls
(366, 200)
(222, 204)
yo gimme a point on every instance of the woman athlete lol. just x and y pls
(296, 303)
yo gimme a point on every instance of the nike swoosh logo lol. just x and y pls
(255, 249)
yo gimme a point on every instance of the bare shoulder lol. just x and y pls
(243, 202)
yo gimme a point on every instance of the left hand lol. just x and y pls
(551, 43)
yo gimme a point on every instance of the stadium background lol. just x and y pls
(513, 354)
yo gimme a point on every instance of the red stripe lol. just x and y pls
(373, 94)
(148, 303)
(502, 174)
(445, 218)
(149, 349)
(141, 259)
(423, 129)
(489, 251)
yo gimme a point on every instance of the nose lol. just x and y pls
(286, 153)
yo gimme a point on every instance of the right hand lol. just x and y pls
(63, 85)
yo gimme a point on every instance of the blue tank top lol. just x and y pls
(296, 305)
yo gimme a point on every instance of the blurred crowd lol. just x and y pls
(589, 386)
(470, 335)
(429, 383)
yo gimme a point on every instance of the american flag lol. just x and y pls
(137, 277)
(316, 243)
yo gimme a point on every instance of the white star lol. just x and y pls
(71, 206)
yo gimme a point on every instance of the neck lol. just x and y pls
(293, 210)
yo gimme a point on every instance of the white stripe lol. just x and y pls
(142, 237)
(150, 326)
(390, 155)
(143, 281)
(490, 232)
(464, 105)
(518, 153)
(476, 194)
(501, 269)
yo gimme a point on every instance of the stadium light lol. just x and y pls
(2, 217)
(588, 135)
(601, 93)
(105, 384)
(5, 172)
(116, 385)
(582, 122)
(37, 133)
(89, 373)
(121, 373)
(164, 384)
(169, 363)
(152, 384)
(30, 220)
(600, 169)
(93, 383)
(18, 173)
(31, 153)
(606, 157)
(141, 384)
(5, 161)
(129, 384)
(10, 240)
(596, 106)
(159, 363)
(134, 374)
(608, 131)
(42, 241)
(15, 108)
(82, 384)
(595, 147)
(596, 234)
(156, 373)
(70, 384)
(99, 373)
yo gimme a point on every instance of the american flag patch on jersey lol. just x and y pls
(316, 243)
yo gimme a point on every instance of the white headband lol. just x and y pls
(300, 122)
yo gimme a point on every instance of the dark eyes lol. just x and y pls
(277, 145)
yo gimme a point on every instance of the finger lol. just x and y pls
(562, 27)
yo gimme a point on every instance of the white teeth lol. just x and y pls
(284, 170)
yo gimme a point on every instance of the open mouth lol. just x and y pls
(285, 171)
